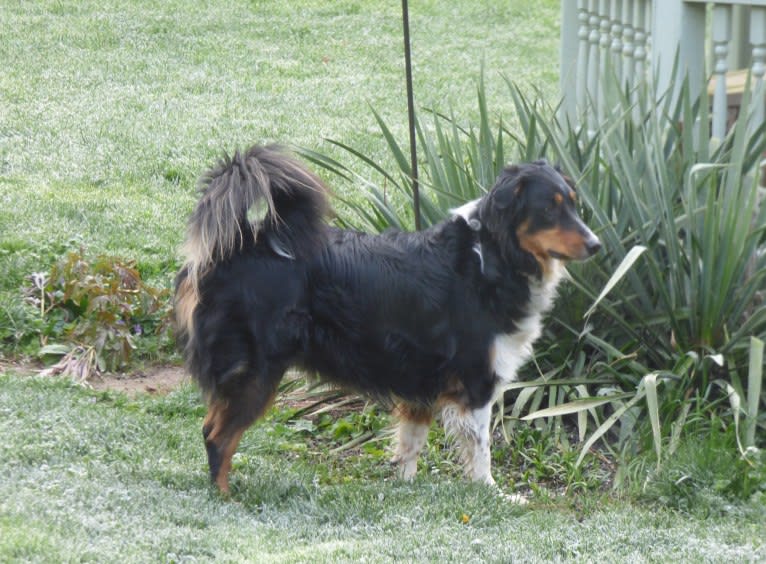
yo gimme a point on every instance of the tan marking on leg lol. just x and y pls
(222, 480)
(414, 413)
(411, 436)
(454, 392)
(184, 304)
(214, 419)
(227, 421)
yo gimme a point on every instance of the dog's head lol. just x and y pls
(533, 208)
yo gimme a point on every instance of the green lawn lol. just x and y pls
(110, 111)
(92, 476)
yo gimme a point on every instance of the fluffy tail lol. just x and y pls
(262, 190)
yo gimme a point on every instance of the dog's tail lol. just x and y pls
(263, 191)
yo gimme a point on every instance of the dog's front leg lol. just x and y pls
(470, 427)
(411, 436)
(480, 466)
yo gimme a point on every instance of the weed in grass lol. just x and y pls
(20, 325)
(540, 462)
(354, 440)
(94, 311)
(705, 476)
(184, 402)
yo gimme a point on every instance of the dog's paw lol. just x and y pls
(406, 468)
(514, 498)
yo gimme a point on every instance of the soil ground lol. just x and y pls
(152, 380)
(159, 379)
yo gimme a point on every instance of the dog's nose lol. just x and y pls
(593, 245)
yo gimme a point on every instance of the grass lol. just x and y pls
(89, 475)
(111, 110)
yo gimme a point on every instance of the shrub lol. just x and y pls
(94, 311)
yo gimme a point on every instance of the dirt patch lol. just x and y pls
(159, 379)
(154, 380)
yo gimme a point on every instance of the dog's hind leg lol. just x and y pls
(470, 427)
(411, 436)
(228, 417)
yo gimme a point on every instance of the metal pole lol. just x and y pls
(411, 114)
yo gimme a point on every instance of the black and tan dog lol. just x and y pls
(438, 320)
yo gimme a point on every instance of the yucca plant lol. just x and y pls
(689, 306)
(675, 298)
(459, 163)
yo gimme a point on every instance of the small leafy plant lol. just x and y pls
(93, 311)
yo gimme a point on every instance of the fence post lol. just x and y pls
(758, 40)
(594, 76)
(411, 114)
(568, 60)
(628, 49)
(582, 56)
(721, 35)
(678, 28)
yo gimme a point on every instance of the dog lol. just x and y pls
(433, 321)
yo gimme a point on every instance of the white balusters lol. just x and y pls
(569, 62)
(639, 26)
(649, 34)
(758, 40)
(616, 46)
(604, 45)
(582, 55)
(721, 35)
(638, 40)
(628, 48)
(594, 77)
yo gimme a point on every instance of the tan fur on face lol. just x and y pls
(540, 243)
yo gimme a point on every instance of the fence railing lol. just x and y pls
(638, 40)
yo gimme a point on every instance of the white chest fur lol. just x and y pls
(512, 350)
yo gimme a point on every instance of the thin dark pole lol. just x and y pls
(411, 114)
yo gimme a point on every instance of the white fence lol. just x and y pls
(638, 40)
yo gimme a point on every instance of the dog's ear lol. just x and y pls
(509, 185)
(568, 180)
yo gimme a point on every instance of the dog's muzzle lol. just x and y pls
(592, 244)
